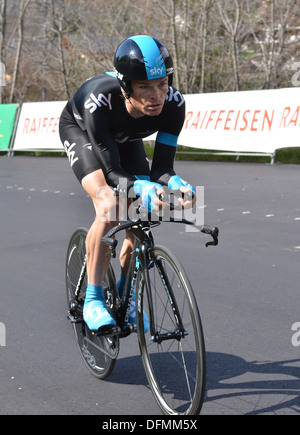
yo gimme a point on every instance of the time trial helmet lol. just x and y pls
(142, 57)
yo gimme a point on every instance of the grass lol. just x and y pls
(284, 155)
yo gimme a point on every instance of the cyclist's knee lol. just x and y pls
(103, 197)
(106, 206)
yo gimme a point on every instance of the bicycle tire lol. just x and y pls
(98, 353)
(176, 391)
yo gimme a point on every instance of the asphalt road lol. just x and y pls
(247, 289)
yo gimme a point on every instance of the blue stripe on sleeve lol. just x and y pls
(167, 139)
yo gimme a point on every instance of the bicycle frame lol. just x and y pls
(163, 296)
(140, 259)
(144, 244)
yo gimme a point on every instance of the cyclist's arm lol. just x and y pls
(165, 151)
(163, 159)
(107, 152)
(108, 155)
(166, 142)
(106, 149)
(96, 117)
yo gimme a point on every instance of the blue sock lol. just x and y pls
(132, 316)
(94, 292)
(95, 313)
(121, 284)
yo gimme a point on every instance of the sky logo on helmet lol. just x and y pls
(156, 71)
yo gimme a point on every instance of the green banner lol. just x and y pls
(7, 121)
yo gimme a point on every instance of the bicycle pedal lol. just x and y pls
(73, 319)
(75, 307)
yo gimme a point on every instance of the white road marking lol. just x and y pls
(33, 189)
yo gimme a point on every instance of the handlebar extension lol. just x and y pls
(213, 232)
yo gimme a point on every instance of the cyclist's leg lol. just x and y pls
(105, 204)
(95, 312)
(88, 171)
(133, 160)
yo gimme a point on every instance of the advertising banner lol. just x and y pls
(7, 121)
(38, 126)
(250, 121)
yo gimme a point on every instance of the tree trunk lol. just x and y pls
(58, 25)
(232, 27)
(2, 48)
(23, 6)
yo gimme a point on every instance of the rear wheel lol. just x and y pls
(99, 353)
(174, 353)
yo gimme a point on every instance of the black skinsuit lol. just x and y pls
(98, 133)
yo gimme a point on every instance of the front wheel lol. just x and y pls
(173, 353)
(99, 353)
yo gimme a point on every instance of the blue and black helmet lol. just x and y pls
(142, 57)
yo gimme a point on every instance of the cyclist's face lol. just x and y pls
(148, 97)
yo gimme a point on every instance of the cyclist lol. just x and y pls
(101, 128)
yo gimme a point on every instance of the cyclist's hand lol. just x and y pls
(149, 193)
(188, 197)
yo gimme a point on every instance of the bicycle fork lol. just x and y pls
(155, 335)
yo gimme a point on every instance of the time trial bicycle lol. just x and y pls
(173, 350)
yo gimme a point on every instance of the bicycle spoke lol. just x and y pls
(173, 358)
(98, 353)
